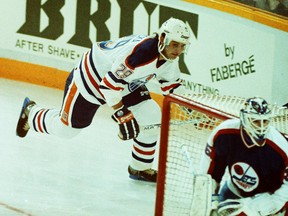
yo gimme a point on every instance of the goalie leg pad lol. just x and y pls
(201, 202)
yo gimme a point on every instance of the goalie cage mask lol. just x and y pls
(255, 121)
(174, 30)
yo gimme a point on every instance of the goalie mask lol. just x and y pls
(173, 30)
(255, 121)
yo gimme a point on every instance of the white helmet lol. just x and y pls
(174, 30)
(255, 119)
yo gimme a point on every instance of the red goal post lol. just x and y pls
(187, 121)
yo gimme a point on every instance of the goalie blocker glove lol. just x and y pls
(128, 126)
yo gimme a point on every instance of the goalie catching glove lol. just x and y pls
(259, 205)
(128, 126)
(235, 207)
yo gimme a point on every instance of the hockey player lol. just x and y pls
(255, 156)
(115, 73)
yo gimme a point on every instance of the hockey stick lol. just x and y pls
(189, 118)
(154, 127)
(150, 127)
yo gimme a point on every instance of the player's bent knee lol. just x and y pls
(64, 131)
(148, 116)
(147, 112)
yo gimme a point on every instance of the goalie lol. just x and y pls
(255, 156)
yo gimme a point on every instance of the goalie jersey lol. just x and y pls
(252, 170)
(113, 69)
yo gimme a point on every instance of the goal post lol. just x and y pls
(175, 187)
(187, 121)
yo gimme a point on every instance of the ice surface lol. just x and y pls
(42, 175)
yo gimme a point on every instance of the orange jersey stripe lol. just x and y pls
(67, 105)
(107, 83)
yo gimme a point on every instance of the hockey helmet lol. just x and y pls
(255, 119)
(173, 30)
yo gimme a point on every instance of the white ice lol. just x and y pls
(43, 175)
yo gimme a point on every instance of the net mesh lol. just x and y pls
(233, 104)
(188, 131)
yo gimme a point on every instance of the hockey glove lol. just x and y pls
(128, 126)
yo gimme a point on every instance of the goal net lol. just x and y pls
(187, 121)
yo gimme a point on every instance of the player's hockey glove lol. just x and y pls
(128, 126)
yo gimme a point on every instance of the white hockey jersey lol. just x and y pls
(113, 69)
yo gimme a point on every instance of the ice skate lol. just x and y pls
(23, 125)
(149, 175)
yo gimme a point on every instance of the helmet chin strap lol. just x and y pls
(160, 49)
